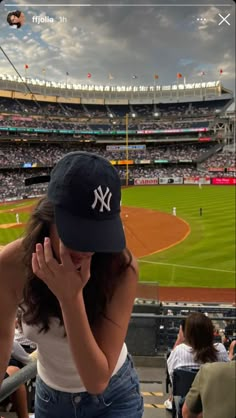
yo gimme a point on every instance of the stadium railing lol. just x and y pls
(11, 383)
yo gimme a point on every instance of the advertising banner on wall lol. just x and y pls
(224, 181)
(123, 147)
(145, 181)
(171, 131)
(197, 180)
(171, 180)
(125, 162)
(216, 169)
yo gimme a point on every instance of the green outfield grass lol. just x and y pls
(205, 259)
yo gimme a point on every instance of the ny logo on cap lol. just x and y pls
(103, 198)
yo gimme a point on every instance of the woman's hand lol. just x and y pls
(62, 279)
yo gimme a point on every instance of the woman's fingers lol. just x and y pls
(65, 257)
(50, 261)
(35, 266)
(85, 269)
(43, 262)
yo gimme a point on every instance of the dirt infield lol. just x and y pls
(147, 232)
(13, 225)
(186, 294)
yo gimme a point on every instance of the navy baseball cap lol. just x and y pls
(85, 190)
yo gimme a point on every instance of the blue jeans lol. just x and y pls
(121, 399)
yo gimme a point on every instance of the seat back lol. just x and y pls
(182, 380)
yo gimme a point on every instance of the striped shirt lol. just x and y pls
(183, 356)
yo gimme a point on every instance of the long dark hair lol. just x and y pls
(16, 13)
(199, 334)
(39, 304)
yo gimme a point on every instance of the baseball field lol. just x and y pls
(201, 255)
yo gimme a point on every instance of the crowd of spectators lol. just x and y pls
(44, 124)
(12, 183)
(167, 110)
(15, 155)
(219, 160)
(94, 124)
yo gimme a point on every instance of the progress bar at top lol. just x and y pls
(117, 5)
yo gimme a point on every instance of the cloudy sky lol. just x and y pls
(122, 39)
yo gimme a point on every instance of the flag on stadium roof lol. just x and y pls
(67, 73)
(110, 76)
(89, 75)
(43, 70)
(221, 71)
(26, 66)
(202, 73)
(156, 76)
(134, 76)
(179, 75)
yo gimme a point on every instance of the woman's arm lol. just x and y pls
(172, 362)
(180, 337)
(8, 303)
(95, 351)
(232, 349)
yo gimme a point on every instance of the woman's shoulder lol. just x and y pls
(12, 250)
(183, 347)
(11, 262)
(133, 270)
(134, 263)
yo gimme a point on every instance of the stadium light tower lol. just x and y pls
(127, 148)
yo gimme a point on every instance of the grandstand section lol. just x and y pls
(180, 138)
(171, 131)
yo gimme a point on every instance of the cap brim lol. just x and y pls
(86, 235)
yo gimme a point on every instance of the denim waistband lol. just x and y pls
(56, 393)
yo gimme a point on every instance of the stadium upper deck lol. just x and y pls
(49, 91)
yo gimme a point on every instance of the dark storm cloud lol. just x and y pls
(141, 40)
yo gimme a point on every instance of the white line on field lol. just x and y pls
(186, 267)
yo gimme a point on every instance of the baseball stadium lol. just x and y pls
(173, 147)
(176, 163)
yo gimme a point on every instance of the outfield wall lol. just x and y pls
(143, 181)
(226, 181)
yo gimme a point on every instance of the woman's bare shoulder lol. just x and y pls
(12, 269)
(134, 264)
(130, 274)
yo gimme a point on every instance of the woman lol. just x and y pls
(16, 18)
(198, 345)
(195, 347)
(76, 282)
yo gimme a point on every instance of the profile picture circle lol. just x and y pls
(16, 18)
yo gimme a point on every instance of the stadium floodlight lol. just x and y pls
(111, 115)
(156, 114)
(133, 115)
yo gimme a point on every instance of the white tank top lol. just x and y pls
(55, 364)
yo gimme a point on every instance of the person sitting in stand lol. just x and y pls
(212, 392)
(198, 346)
